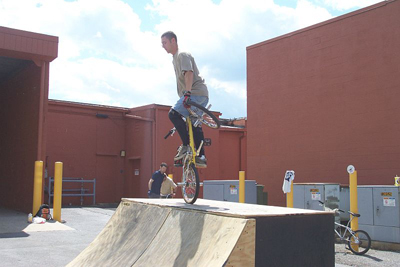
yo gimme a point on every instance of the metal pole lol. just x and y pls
(172, 178)
(289, 197)
(241, 187)
(37, 187)
(353, 202)
(58, 170)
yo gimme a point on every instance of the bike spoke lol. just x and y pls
(204, 116)
(361, 240)
(190, 187)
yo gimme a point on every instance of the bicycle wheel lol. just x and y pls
(190, 183)
(362, 239)
(206, 118)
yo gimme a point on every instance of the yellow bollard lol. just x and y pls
(37, 187)
(289, 197)
(241, 187)
(353, 202)
(58, 171)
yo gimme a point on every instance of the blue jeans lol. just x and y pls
(153, 195)
(175, 115)
(201, 100)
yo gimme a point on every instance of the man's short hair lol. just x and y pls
(164, 165)
(169, 35)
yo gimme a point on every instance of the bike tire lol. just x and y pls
(191, 184)
(208, 118)
(364, 242)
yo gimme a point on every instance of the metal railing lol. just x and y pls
(82, 191)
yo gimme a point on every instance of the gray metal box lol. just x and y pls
(344, 202)
(307, 195)
(365, 205)
(380, 211)
(228, 190)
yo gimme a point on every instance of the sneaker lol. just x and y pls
(178, 163)
(182, 150)
(201, 162)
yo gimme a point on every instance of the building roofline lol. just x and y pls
(113, 108)
(27, 45)
(87, 105)
(342, 17)
(24, 33)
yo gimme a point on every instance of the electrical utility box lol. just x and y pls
(228, 190)
(344, 202)
(308, 195)
(380, 211)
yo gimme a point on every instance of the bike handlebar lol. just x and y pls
(335, 210)
(169, 133)
(189, 102)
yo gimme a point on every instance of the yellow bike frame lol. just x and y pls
(191, 141)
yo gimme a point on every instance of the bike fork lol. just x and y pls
(191, 140)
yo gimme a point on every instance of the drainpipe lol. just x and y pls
(42, 66)
(153, 142)
(240, 150)
(155, 134)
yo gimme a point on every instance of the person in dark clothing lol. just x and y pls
(156, 180)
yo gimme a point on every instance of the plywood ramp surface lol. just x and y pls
(125, 237)
(143, 234)
(169, 232)
(244, 252)
(193, 239)
(225, 208)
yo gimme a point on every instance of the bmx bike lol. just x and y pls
(358, 241)
(190, 177)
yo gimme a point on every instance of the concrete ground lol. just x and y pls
(372, 258)
(55, 244)
(51, 244)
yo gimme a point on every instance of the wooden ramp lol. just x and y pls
(169, 232)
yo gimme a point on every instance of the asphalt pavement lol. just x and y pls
(373, 257)
(54, 244)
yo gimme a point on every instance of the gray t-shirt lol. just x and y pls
(183, 62)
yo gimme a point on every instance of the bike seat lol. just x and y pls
(354, 214)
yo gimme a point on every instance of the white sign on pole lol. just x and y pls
(287, 181)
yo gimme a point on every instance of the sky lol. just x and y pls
(110, 51)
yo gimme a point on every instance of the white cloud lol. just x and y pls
(105, 58)
(348, 4)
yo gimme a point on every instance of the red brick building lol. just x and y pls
(24, 84)
(319, 99)
(324, 97)
(118, 147)
(89, 139)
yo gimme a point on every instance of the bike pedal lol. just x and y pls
(200, 166)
